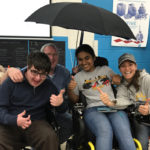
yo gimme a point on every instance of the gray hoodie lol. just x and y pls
(127, 97)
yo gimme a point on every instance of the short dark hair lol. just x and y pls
(85, 48)
(39, 60)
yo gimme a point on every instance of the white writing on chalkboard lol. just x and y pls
(14, 52)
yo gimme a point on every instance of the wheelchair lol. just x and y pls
(82, 138)
(132, 111)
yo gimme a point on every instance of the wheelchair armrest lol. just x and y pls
(78, 108)
(51, 118)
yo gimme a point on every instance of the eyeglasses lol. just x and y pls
(36, 73)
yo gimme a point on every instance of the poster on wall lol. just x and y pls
(136, 14)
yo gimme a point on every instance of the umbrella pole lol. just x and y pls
(81, 38)
(81, 41)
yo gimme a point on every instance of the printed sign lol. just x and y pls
(136, 14)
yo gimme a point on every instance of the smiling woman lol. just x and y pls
(104, 124)
(134, 90)
(12, 24)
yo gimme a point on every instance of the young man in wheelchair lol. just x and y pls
(23, 117)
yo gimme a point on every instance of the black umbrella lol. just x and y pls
(84, 17)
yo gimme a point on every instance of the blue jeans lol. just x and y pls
(142, 133)
(103, 125)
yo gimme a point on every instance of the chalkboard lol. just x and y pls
(14, 52)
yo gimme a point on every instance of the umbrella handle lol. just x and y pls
(81, 38)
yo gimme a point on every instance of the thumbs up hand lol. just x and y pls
(116, 79)
(23, 122)
(144, 109)
(72, 84)
(104, 98)
(57, 100)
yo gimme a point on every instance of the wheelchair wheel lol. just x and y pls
(138, 144)
(91, 145)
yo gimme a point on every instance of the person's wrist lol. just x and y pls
(8, 71)
(110, 103)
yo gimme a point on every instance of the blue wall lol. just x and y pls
(112, 53)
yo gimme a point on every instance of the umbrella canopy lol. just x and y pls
(84, 17)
